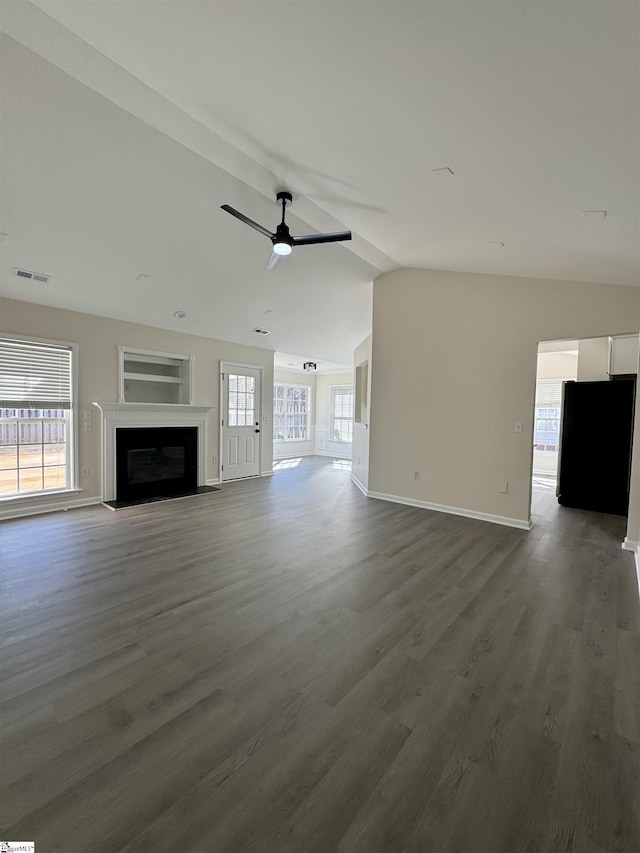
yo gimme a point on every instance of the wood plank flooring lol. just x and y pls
(286, 666)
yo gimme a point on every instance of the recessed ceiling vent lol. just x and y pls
(33, 276)
(261, 331)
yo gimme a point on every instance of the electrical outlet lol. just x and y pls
(416, 475)
(215, 459)
(518, 427)
(84, 471)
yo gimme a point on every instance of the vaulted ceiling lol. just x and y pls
(127, 125)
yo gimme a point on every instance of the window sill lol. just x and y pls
(39, 495)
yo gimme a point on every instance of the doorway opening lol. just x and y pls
(557, 363)
(583, 421)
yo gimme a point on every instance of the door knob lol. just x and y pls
(257, 430)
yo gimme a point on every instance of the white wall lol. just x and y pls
(98, 339)
(288, 449)
(360, 448)
(324, 445)
(557, 365)
(633, 518)
(454, 368)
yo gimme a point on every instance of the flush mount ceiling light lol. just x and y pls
(180, 315)
(594, 214)
(496, 243)
(443, 171)
(142, 276)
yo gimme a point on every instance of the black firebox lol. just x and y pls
(153, 462)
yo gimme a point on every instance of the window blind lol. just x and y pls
(549, 393)
(34, 375)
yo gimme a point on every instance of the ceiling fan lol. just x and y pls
(282, 240)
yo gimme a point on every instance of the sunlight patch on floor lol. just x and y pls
(286, 463)
(341, 464)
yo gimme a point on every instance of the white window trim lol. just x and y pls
(332, 415)
(72, 462)
(309, 407)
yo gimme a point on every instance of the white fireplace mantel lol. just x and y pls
(117, 415)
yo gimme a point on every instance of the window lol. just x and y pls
(242, 404)
(547, 424)
(341, 413)
(36, 424)
(291, 406)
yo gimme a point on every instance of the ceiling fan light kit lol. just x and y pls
(281, 239)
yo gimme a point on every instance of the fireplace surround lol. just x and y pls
(144, 417)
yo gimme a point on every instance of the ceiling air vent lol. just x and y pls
(33, 276)
(261, 331)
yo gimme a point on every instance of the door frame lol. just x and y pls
(224, 368)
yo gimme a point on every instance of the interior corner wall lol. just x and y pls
(454, 369)
(324, 444)
(289, 449)
(360, 448)
(98, 339)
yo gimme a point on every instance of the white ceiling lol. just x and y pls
(351, 105)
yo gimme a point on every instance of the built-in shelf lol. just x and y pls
(149, 377)
(155, 377)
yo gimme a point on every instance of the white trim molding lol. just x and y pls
(634, 547)
(118, 415)
(519, 523)
(331, 455)
(22, 511)
(362, 487)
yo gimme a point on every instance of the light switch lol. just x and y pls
(518, 426)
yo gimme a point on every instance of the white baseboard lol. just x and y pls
(332, 455)
(267, 474)
(450, 510)
(362, 488)
(42, 508)
(214, 482)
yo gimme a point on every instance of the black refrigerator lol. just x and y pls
(595, 445)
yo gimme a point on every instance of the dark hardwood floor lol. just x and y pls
(285, 666)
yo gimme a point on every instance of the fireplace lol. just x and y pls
(155, 461)
(154, 448)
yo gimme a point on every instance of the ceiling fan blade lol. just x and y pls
(273, 260)
(311, 239)
(246, 220)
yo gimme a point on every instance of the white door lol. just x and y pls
(241, 401)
